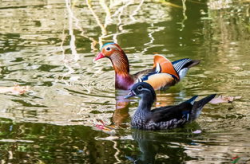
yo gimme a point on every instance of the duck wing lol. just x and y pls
(159, 80)
(162, 75)
(140, 74)
(163, 65)
(168, 113)
(164, 72)
(188, 110)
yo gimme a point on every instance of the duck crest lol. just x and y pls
(109, 43)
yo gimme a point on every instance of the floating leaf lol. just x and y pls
(224, 99)
(14, 90)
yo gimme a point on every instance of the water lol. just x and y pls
(50, 45)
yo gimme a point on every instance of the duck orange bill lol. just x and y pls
(130, 94)
(99, 56)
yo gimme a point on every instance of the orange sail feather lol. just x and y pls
(166, 65)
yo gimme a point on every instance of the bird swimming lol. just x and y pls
(167, 117)
(163, 74)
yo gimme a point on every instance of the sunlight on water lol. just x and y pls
(50, 46)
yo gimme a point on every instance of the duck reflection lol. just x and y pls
(159, 146)
(121, 113)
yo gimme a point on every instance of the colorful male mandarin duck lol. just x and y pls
(167, 117)
(163, 74)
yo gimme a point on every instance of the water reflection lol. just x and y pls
(121, 113)
(181, 145)
(49, 45)
(159, 147)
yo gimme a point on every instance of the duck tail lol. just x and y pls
(192, 63)
(192, 100)
(198, 105)
(181, 66)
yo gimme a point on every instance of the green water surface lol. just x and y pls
(49, 45)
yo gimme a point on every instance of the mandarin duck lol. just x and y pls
(167, 117)
(163, 74)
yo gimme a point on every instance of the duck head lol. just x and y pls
(142, 90)
(117, 56)
(109, 50)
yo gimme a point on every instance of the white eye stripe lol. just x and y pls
(145, 89)
(112, 47)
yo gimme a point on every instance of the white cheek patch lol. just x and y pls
(114, 47)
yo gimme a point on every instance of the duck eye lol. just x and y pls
(139, 88)
(108, 48)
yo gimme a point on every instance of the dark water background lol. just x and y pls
(49, 45)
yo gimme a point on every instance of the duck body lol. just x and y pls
(163, 74)
(167, 117)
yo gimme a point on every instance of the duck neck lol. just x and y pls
(123, 80)
(120, 63)
(146, 103)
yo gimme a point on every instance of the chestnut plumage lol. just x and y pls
(163, 74)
